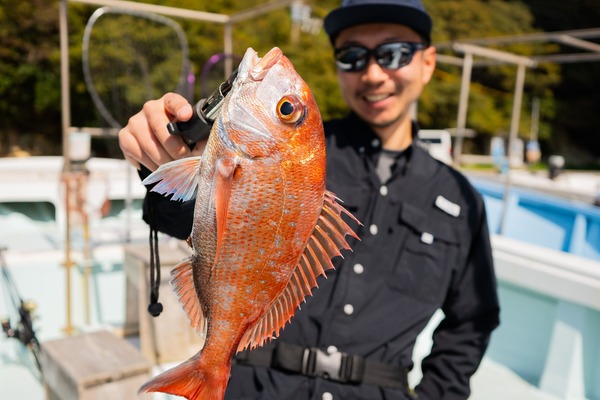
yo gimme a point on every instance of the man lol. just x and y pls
(424, 244)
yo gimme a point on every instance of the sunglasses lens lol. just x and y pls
(351, 58)
(393, 55)
(388, 55)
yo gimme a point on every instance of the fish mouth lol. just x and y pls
(253, 71)
(257, 68)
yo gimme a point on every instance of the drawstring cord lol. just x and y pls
(154, 308)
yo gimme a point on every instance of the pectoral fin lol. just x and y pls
(224, 172)
(179, 178)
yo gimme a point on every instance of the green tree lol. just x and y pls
(491, 93)
(28, 78)
(575, 121)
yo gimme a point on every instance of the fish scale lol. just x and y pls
(265, 228)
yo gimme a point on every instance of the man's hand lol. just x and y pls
(145, 140)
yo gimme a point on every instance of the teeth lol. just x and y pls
(376, 97)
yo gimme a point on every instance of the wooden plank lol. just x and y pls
(76, 366)
(168, 337)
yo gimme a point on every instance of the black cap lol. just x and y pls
(356, 12)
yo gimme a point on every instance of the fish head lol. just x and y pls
(270, 110)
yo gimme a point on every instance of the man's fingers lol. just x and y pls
(177, 106)
(158, 114)
(139, 144)
(133, 162)
(145, 140)
(150, 128)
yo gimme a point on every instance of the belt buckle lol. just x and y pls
(318, 363)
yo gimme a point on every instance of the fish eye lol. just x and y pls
(290, 109)
(286, 108)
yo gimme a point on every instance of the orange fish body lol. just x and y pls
(264, 225)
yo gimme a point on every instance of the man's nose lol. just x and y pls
(374, 72)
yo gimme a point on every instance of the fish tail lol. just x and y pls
(190, 380)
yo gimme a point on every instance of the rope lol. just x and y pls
(154, 308)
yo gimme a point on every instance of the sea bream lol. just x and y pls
(264, 225)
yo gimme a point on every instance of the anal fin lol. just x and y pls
(183, 283)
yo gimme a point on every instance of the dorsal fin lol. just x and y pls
(179, 177)
(327, 239)
(183, 283)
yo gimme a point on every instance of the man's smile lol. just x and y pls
(373, 98)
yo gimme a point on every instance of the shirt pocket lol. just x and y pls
(429, 254)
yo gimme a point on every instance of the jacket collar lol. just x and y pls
(361, 136)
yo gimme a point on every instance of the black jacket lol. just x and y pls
(424, 246)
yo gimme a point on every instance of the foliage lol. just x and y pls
(126, 65)
(576, 119)
(492, 91)
(30, 79)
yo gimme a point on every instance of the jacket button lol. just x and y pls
(383, 190)
(327, 396)
(373, 229)
(348, 309)
(358, 269)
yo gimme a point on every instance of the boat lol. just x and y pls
(546, 246)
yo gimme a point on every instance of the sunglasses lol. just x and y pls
(355, 58)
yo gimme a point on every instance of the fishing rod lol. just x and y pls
(23, 330)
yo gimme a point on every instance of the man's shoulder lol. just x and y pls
(335, 126)
(341, 134)
(335, 121)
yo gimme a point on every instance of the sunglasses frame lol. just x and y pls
(409, 48)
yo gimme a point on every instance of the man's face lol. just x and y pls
(382, 97)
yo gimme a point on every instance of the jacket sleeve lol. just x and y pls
(173, 218)
(471, 313)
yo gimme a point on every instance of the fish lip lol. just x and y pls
(252, 69)
(262, 65)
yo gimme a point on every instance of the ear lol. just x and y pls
(428, 64)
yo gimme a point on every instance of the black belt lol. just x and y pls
(335, 366)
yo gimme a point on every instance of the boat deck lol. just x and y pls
(550, 301)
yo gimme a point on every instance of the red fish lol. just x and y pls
(264, 225)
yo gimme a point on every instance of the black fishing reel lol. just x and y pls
(23, 330)
(205, 112)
